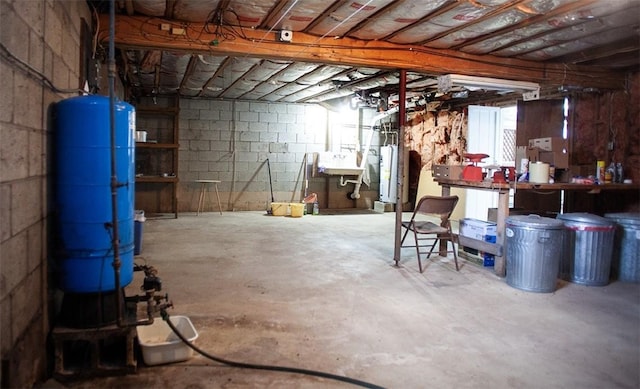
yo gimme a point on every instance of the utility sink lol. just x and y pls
(342, 171)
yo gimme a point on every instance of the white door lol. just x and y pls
(483, 137)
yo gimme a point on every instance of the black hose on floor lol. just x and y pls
(315, 373)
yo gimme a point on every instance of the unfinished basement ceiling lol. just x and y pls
(591, 34)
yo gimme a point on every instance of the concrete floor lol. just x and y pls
(321, 292)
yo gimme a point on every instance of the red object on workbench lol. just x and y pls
(473, 172)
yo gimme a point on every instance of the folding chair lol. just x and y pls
(424, 230)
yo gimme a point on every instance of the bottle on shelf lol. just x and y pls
(619, 173)
(610, 174)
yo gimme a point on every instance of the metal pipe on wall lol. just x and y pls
(115, 240)
(400, 175)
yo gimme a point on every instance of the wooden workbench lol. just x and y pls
(503, 207)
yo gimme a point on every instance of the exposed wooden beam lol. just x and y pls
(169, 7)
(445, 8)
(271, 80)
(239, 79)
(336, 4)
(523, 53)
(156, 79)
(190, 68)
(311, 73)
(488, 15)
(384, 10)
(553, 31)
(150, 60)
(630, 45)
(218, 72)
(350, 84)
(128, 4)
(627, 61)
(527, 22)
(268, 21)
(138, 32)
(222, 8)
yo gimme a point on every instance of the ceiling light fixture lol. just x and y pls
(448, 81)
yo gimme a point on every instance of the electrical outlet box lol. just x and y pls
(285, 35)
(177, 31)
(532, 95)
(165, 27)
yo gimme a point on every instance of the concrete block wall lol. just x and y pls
(46, 36)
(231, 140)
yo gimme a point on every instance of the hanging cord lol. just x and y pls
(32, 72)
(315, 373)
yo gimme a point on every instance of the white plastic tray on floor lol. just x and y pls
(161, 345)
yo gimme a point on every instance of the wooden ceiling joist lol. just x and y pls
(137, 32)
(492, 14)
(150, 60)
(217, 74)
(190, 67)
(443, 9)
(527, 22)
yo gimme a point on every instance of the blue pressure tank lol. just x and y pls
(82, 189)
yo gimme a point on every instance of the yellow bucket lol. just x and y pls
(297, 209)
(279, 209)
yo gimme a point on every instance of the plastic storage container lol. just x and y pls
(279, 209)
(161, 345)
(626, 254)
(588, 248)
(533, 247)
(297, 209)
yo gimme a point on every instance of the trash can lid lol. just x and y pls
(586, 218)
(534, 221)
(628, 218)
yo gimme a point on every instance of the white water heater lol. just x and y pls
(388, 173)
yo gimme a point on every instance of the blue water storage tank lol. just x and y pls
(83, 193)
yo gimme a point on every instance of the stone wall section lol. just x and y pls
(45, 35)
(231, 141)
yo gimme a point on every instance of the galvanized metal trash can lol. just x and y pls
(588, 248)
(533, 247)
(625, 263)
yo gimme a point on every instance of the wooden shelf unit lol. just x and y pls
(155, 192)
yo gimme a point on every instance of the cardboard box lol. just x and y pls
(533, 154)
(558, 159)
(481, 230)
(448, 171)
(549, 143)
(478, 229)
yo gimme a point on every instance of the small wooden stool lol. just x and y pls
(203, 191)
